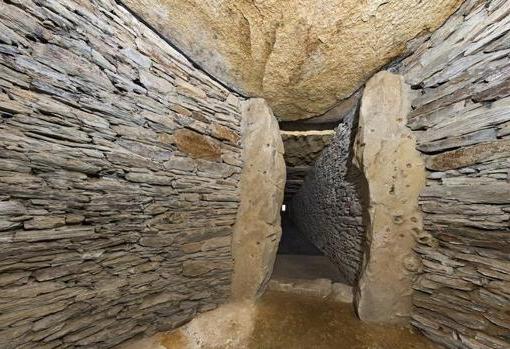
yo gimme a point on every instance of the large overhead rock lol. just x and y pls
(302, 56)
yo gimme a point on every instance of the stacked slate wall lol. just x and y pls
(461, 119)
(119, 175)
(327, 208)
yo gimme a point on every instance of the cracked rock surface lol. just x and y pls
(302, 56)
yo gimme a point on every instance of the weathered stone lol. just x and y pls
(44, 222)
(257, 229)
(385, 153)
(328, 207)
(156, 241)
(152, 81)
(136, 57)
(149, 177)
(488, 193)
(180, 163)
(461, 75)
(224, 133)
(11, 208)
(341, 293)
(230, 325)
(14, 278)
(32, 289)
(302, 148)
(184, 87)
(78, 232)
(314, 288)
(164, 297)
(197, 145)
(34, 312)
(74, 218)
(97, 189)
(289, 52)
(468, 156)
(196, 268)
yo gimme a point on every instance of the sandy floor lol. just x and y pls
(286, 321)
(305, 267)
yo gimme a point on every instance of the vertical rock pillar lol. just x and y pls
(257, 230)
(385, 152)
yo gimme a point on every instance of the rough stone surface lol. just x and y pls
(257, 230)
(119, 174)
(460, 118)
(327, 209)
(302, 56)
(385, 152)
(341, 293)
(313, 288)
(228, 327)
(302, 148)
(322, 288)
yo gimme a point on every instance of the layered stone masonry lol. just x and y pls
(119, 173)
(302, 148)
(461, 120)
(327, 208)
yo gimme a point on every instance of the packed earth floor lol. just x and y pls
(291, 321)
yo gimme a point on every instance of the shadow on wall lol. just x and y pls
(293, 242)
(328, 208)
(359, 204)
(356, 176)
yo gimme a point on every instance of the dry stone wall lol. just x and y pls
(119, 173)
(461, 120)
(302, 148)
(327, 209)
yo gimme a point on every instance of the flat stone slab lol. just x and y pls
(322, 288)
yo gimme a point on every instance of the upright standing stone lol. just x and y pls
(257, 230)
(385, 151)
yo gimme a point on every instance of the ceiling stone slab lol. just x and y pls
(302, 148)
(303, 56)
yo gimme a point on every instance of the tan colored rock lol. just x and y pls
(224, 133)
(341, 293)
(196, 268)
(302, 56)
(257, 229)
(302, 148)
(342, 110)
(322, 288)
(313, 288)
(385, 151)
(468, 155)
(197, 145)
(228, 327)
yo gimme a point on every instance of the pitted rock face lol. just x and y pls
(302, 56)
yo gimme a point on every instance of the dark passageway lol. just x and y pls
(298, 258)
